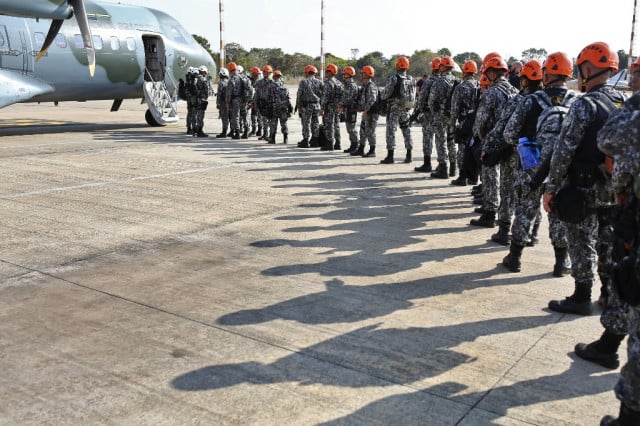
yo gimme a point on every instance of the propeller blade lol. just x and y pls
(83, 22)
(51, 35)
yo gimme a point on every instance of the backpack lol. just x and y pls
(447, 103)
(405, 91)
(247, 90)
(552, 115)
(338, 92)
(281, 95)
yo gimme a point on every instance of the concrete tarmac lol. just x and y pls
(148, 277)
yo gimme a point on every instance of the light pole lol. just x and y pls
(322, 39)
(222, 47)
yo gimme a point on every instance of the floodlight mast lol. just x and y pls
(222, 46)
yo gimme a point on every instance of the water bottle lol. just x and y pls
(529, 152)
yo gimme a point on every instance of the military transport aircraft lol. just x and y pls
(108, 52)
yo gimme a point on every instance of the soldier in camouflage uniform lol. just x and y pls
(247, 99)
(556, 70)
(577, 168)
(263, 104)
(331, 97)
(369, 104)
(235, 99)
(221, 103)
(492, 106)
(204, 91)
(349, 107)
(396, 93)
(427, 125)
(192, 99)
(620, 139)
(438, 96)
(255, 117)
(464, 99)
(308, 98)
(281, 107)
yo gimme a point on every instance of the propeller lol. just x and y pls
(80, 13)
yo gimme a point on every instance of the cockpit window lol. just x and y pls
(178, 35)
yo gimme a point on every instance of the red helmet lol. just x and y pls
(255, 70)
(332, 68)
(496, 62)
(435, 63)
(231, 66)
(277, 73)
(532, 70)
(600, 55)
(470, 66)
(635, 66)
(310, 69)
(402, 63)
(446, 61)
(267, 68)
(489, 56)
(349, 71)
(368, 71)
(484, 81)
(558, 63)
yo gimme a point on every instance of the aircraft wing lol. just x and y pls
(17, 87)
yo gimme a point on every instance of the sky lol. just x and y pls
(404, 26)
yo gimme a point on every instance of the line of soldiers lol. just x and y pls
(195, 89)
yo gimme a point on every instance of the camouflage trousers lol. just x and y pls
(445, 143)
(310, 122)
(427, 135)
(582, 239)
(398, 116)
(331, 124)
(236, 113)
(191, 116)
(505, 208)
(628, 387)
(224, 116)
(352, 132)
(256, 119)
(490, 187)
(281, 115)
(200, 111)
(368, 124)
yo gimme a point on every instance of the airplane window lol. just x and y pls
(39, 40)
(131, 44)
(178, 35)
(97, 42)
(61, 41)
(115, 43)
(79, 43)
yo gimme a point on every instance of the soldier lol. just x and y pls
(422, 107)
(400, 94)
(281, 107)
(234, 99)
(464, 100)
(202, 100)
(514, 73)
(524, 123)
(255, 118)
(440, 93)
(331, 97)
(191, 92)
(221, 103)
(247, 98)
(308, 104)
(620, 139)
(263, 104)
(577, 189)
(369, 105)
(492, 105)
(349, 107)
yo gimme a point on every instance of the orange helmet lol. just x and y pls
(277, 73)
(558, 63)
(600, 55)
(635, 66)
(310, 69)
(489, 56)
(470, 66)
(267, 68)
(484, 81)
(496, 62)
(231, 66)
(255, 70)
(349, 71)
(446, 61)
(368, 71)
(332, 68)
(435, 63)
(402, 63)
(532, 70)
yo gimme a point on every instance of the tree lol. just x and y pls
(204, 43)
(532, 53)
(444, 52)
(236, 53)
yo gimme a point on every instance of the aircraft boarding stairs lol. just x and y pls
(162, 110)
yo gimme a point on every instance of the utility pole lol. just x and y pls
(633, 26)
(321, 39)
(222, 46)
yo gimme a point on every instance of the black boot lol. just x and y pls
(512, 260)
(426, 167)
(578, 303)
(486, 220)
(359, 151)
(253, 132)
(627, 417)
(533, 238)
(351, 148)
(452, 169)
(303, 144)
(201, 134)
(327, 147)
(272, 139)
(562, 266)
(371, 152)
(603, 351)
(389, 158)
(313, 143)
(259, 132)
(407, 158)
(441, 172)
(245, 134)
(460, 181)
(235, 134)
(222, 135)
(285, 138)
(336, 146)
(502, 236)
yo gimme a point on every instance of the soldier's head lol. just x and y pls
(232, 67)
(310, 71)
(435, 65)
(239, 69)
(556, 69)
(255, 72)
(332, 70)
(470, 68)
(203, 71)
(402, 63)
(446, 65)
(634, 69)
(596, 63)
(531, 74)
(367, 73)
(495, 68)
(224, 73)
(267, 70)
(348, 73)
(516, 67)
(277, 74)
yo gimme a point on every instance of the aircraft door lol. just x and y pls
(14, 49)
(155, 58)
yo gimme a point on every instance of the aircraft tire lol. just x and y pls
(151, 121)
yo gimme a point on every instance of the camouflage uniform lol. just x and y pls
(590, 237)
(256, 117)
(281, 107)
(440, 119)
(192, 103)
(331, 96)
(427, 122)
(235, 102)
(221, 104)
(491, 106)
(463, 102)
(308, 103)
(620, 138)
(369, 119)
(264, 106)
(247, 98)
(397, 115)
(349, 103)
(202, 102)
